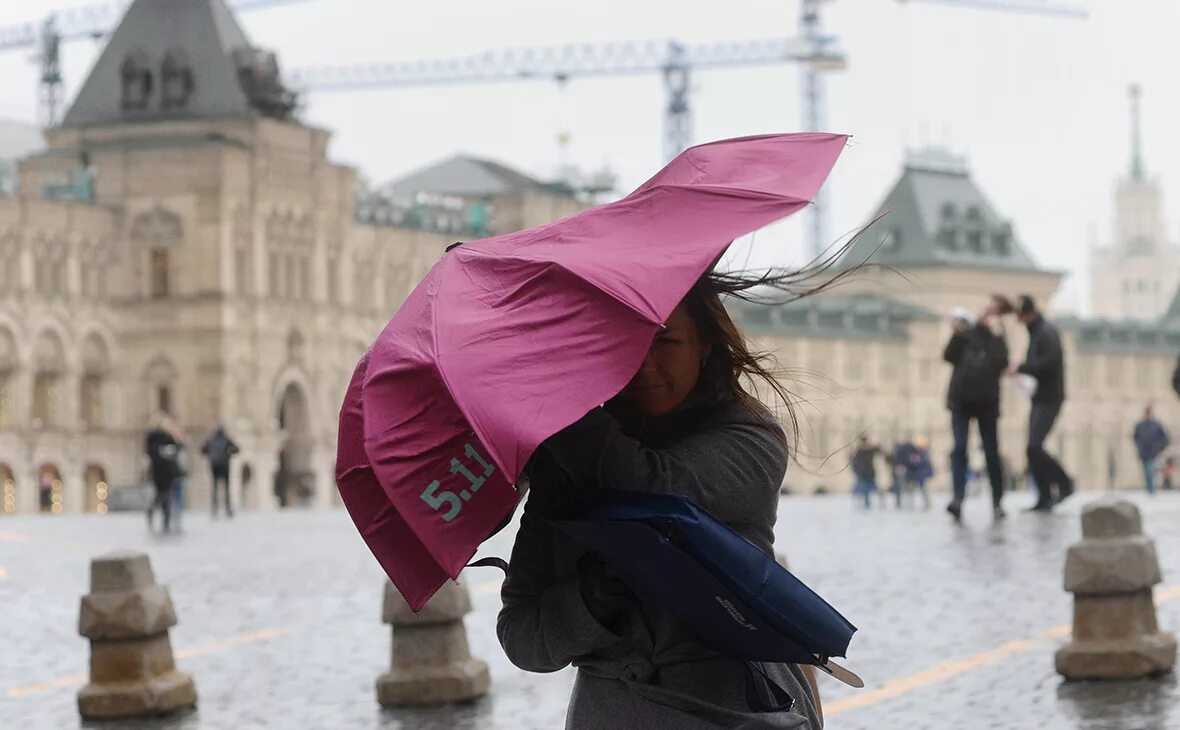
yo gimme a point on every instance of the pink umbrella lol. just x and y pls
(510, 339)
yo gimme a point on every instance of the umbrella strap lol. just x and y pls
(779, 700)
(492, 562)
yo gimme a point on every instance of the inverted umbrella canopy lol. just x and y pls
(509, 339)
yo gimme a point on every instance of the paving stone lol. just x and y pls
(923, 595)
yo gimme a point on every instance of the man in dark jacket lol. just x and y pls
(1176, 377)
(1046, 364)
(219, 449)
(161, 448)
(1150, 441)
(979, 354)
(864, 469)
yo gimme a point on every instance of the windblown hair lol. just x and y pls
(731, 358)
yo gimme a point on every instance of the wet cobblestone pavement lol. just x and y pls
(280, 621)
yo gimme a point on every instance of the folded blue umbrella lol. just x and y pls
(734, 597)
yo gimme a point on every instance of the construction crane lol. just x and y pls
(814, 85)
(817, 52)
(673, 60)
(87, 21)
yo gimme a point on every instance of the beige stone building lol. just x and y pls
(867, 357)
(184, 245)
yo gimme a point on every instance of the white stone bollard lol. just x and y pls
(126, 616)
(1111, 573)
(432, 663)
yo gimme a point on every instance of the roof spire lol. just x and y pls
(1136, 143)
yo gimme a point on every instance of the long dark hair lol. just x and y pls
(731, 357)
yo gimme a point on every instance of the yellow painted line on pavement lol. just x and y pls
(73, 680)
(3, 573)
(234, 641)
(948, 670)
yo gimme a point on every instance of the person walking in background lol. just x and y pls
(1168, 471)
(864, 469)
(920, 468)
(219, 449)
(979, 355)
(161, 449)
(1150, 441)
(180, 483)
(1046, 364)
(899, 464)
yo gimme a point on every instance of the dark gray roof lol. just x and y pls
(1127, 337)
(1172, 316)
(935, 215)
(855, 316)
(211, 45)
(466, 176)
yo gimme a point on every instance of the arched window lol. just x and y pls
(49, 360)
(136, 76)
(160, 273)
(95, 367)
(176, 75)
(7, 376)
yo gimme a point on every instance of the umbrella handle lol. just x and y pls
(843, 674)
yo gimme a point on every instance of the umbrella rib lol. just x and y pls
(601, 287)
(442, 374)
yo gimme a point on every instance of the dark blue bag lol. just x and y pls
(731, 595)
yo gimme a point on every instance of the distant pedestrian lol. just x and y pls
(1176, 377)
(180, 483)
(1150, 441)
(1168, 471)
(1045, 362)
(899, 464)
(921, 468)
(161, 449)
(979, 354)
(220, 449)
(864, 469)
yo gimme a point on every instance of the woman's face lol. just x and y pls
(671, 368)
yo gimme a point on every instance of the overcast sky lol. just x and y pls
(1038, 105)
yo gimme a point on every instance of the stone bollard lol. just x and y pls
(1111, 572)
(126, 616)
(432, 663)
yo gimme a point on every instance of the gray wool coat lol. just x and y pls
(650, 671)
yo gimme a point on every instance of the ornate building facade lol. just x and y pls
(185, 246)
(867, 357)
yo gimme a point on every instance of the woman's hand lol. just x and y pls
(605, 595)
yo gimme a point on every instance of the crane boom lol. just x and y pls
(92, 21)
(560, 63)
(1031, 7)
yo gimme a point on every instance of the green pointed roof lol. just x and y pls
(935, 215)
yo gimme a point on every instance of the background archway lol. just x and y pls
(49, 489)
(96, 489)
(294, 481)
(7, 490)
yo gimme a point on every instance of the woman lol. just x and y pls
(683, 425)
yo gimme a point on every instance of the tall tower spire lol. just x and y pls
(1136, 143)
